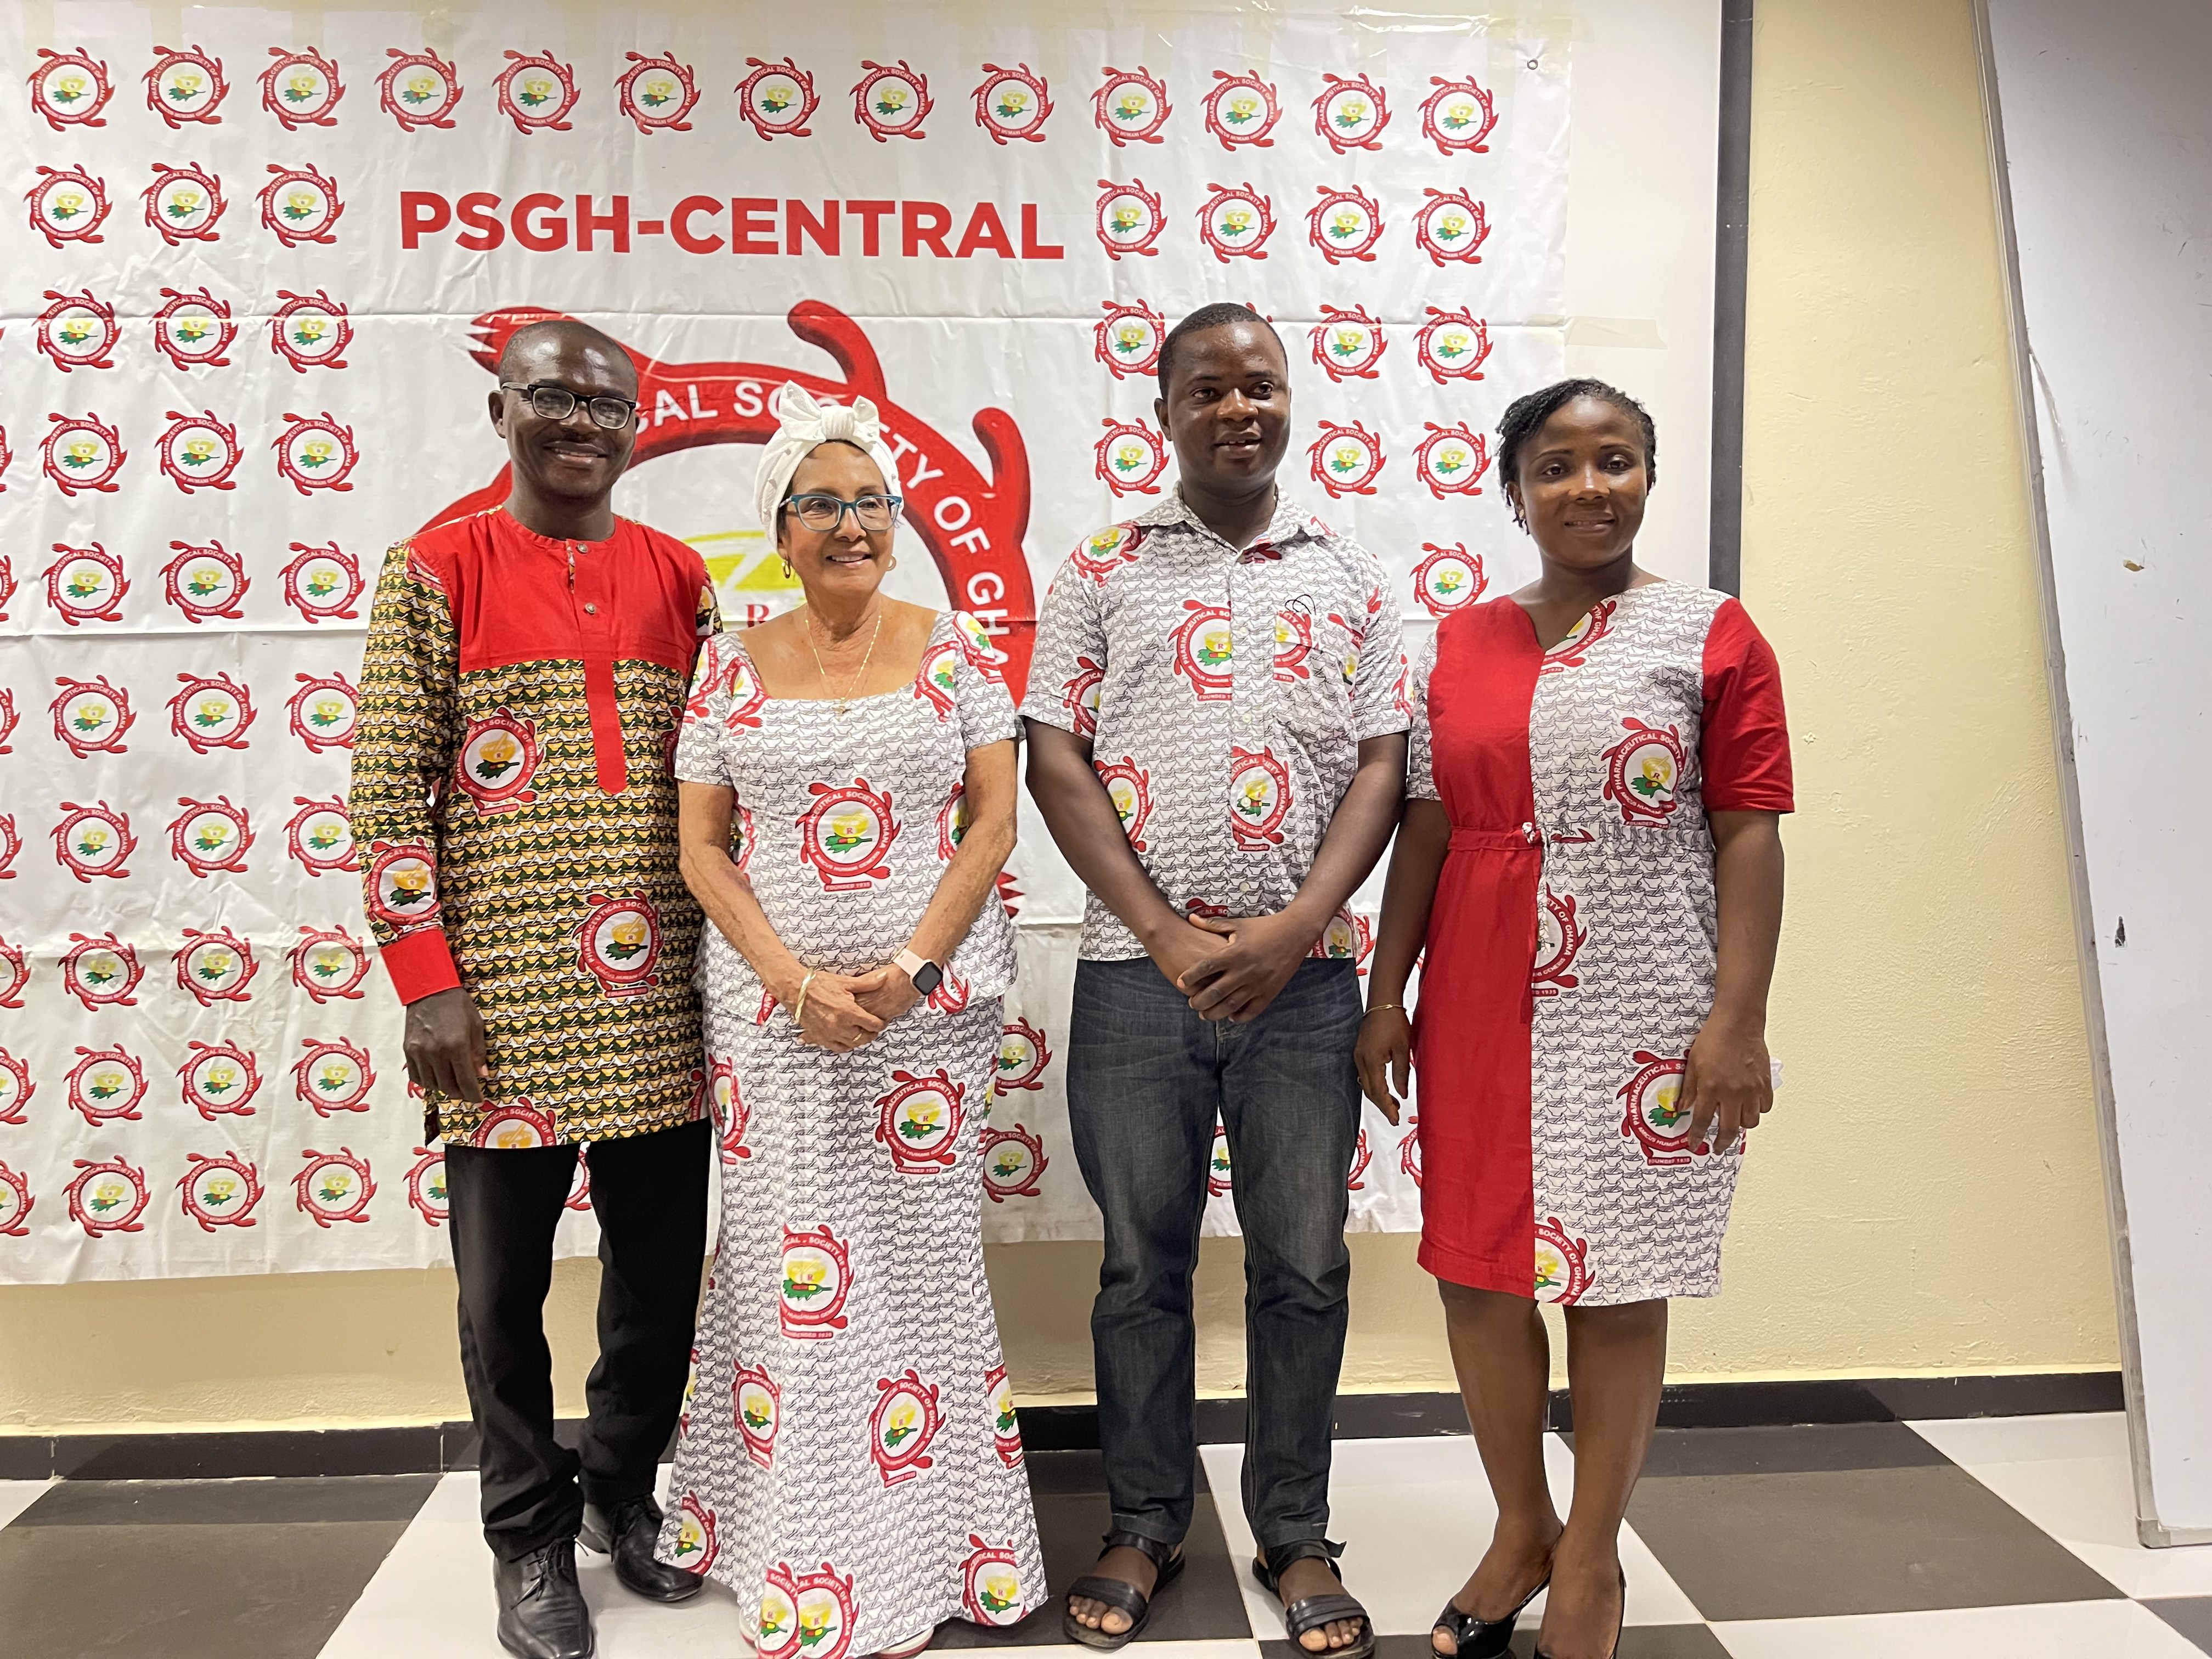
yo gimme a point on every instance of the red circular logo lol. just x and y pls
(1448, 578)
(210, 836)
(1131, 106)
(194, 331)
(108, 1197)
(67, 204)
(319, 835)
(657, 93)
(197, 452)
(78, 331)
(418, 90)
(846, 836)
(100, 970)
(535, 91)
(94, 841)
(1349, 345)
(1346, 460)
(1452, 228)
(1345, 224)
(334, 1075)
(220, 1191)
(1236, 222)
(322, 582)
(1241, 111)
(82, 453)
(1452, 459)
(1458, 116)
(219, 1080)
(211, 712)
(777, 99)
(1351, 114)
(106, 1085)
(618, 943)
(891, 100)
(1127, 219)
(205, 582)
(69, 88)
(333, 1187)
(90, 716)
(310, 331)
(299, 205)
(184, 203)
(186, 84)
(1130, 457)
(329, 963)
(301, 89)
(315, 452)
(215, 967)
(1012, 104)
(1452, 345)
(1127, 338)
(324, 711)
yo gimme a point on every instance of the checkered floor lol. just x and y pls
(2010, 1537)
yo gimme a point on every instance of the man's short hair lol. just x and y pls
(567, 329)
(1218, 314)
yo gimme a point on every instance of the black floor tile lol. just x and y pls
(1792, 1524)
(371, 1497)
(1636, 1642)
(1825, 1448)
(259, 1453)
(184, 1592)
(2191, 1615)
(1069, 1491)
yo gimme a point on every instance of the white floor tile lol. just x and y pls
(2065, 1630)
(16, 1496)
(1416, 1516)
(432, 1599)
(2070, 1476)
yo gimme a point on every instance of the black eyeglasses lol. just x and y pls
(820, 512)
(556, 402)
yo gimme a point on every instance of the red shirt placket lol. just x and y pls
(591, 596)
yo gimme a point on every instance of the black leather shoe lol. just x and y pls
(542, 1614)
(628, 1532)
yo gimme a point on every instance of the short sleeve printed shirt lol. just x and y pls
(1225, 695)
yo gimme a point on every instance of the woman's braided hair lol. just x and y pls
(1525, 417)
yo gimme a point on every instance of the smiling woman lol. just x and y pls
(847, 787)
(1591, 860)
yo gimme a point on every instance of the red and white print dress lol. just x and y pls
(848, 1461)
(1570, 946)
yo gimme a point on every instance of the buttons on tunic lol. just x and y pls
(590, 609)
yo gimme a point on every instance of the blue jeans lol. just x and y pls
(1146, 1078)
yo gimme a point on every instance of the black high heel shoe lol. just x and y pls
(1482, 1639)
(1617, 1628)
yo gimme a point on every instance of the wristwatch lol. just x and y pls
(926, 975)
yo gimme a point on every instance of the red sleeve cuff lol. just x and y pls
(420, 964)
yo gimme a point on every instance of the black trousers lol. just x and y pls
(649, 1191)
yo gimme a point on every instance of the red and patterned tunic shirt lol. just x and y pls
(515, 811)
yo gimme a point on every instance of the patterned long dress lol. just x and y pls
(848, 1455)
(1571, 945)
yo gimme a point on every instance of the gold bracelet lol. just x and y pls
(799, 1009)
(1377, 1007)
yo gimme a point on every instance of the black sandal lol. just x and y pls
(1482, 1639)
(1312, 1612)
(1118, 1594)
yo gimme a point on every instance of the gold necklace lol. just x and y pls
(838, 704)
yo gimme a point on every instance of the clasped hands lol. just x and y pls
(1232, 967)
(843, 1011)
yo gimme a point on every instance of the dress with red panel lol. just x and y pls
(1570, 947)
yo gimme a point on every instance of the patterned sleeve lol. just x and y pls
(403, 757)
(985, 708)
(1420, 758)
(1071, 640)
(1744, 751)
(1377, 708)
(698, 739)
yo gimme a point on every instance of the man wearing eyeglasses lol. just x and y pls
(515, 811)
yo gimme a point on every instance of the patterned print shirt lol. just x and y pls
(1225, 696)
(515, 811)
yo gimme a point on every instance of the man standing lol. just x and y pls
(1216, 720)
(524, 672)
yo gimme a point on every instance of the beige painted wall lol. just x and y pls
(1926, 1198)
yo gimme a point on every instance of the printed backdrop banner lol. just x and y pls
(257, 281)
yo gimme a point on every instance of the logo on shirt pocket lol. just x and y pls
(499, 755)
(1644, 772)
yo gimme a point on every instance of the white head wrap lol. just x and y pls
(803, 422)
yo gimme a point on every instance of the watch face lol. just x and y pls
(929, 978)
